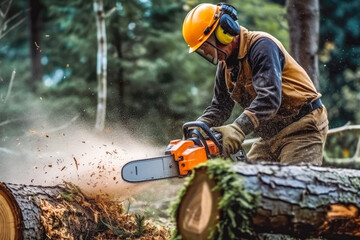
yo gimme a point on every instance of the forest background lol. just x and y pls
(153, 84)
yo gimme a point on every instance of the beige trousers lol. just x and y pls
(301, 142)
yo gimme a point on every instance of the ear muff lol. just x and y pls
(222, 37)
(228, 26)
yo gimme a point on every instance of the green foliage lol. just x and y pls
(119, 232)
(154, 85)
(341, 146)
(123, 234)
(140, 227)
(259, 15)
(67, 197)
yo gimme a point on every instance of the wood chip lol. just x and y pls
(76, 163)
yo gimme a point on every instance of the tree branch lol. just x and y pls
(66, 125)
(7, 151)
(110, 12)
(4, 16)
(6, 21)
(346, 128)
(17, 120)
(10, 86)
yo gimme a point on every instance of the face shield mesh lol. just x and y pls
(210, 51)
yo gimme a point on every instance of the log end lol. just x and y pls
(198, 211)
(10, 215)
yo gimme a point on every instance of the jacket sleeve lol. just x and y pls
(267, 62)
(221, 104)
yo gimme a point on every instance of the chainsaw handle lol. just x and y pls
(213, 136)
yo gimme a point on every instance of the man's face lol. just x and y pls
(211, 52)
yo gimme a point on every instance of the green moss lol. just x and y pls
(236, 205)
(68, 197)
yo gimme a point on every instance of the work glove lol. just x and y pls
(232, 138)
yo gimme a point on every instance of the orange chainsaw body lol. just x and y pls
(188, 155)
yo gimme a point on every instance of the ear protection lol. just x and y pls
(228, 26)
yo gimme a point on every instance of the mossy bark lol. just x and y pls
(296, 201)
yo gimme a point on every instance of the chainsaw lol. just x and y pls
(181, 156)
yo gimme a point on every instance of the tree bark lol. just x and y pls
(101, 68)
(35, 41)
(303, 20)
(298, 201)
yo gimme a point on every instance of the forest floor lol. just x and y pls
(155, 201)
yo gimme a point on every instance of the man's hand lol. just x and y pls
(232, 138)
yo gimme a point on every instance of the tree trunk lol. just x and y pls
(101, 68)
(303, 20)
(35, 41)
(38, 212)
(250, 200)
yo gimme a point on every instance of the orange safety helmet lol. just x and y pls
(199, 24)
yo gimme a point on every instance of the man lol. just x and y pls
(280, 102)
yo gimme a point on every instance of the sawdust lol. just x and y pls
(105, 219)
(52, 222)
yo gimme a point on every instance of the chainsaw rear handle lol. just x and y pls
(213, 136)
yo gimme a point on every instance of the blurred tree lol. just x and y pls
(101, 64)
(127, 31)
(69, 54)
(303, 20)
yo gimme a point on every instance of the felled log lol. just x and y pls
(40, 212)
(246, 201)
(64, 212)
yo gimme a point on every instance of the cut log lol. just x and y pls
(39, 212)
(63, 212)
(226, 201)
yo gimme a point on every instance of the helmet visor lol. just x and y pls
(210, 51)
